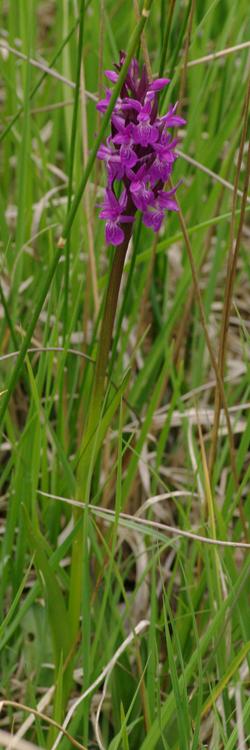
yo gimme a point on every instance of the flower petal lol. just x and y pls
(173, 120)
(111, 75)
(123, 200)
(113, 202)
(118, 123)
(129, 103)
(159, 84)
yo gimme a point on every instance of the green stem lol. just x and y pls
(86, 462)
(103, 354)
(125, 296)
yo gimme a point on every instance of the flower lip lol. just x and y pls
(145, 134)
(113, 233)
(142, 194)
(103, 103)
(165, 199)
(153, 218)
(128, 155)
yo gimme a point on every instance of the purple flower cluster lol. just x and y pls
(140, 153)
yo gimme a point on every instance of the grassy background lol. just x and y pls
(164, 636)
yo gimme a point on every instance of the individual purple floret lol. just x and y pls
(139, 154)
(113, 210)
(153, 214)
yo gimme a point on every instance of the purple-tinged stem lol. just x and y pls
(86, 462)
(104, 346)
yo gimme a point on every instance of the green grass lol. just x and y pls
(147, 644)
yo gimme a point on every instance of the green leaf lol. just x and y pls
(57, 613)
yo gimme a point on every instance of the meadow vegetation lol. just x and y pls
(124, 568)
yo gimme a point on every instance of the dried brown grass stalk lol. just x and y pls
(230, 279)
(44, 717)
(219, 380)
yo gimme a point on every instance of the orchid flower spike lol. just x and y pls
(139, 154)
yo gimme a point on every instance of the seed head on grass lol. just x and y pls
(139, 153)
